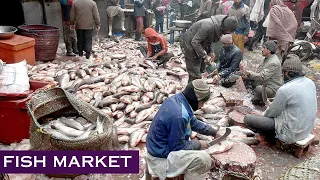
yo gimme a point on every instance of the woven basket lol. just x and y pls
(56, 102)
(307, 170)
(47, 40)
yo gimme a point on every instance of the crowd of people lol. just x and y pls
(289, 117)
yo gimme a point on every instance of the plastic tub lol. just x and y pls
(14, 117)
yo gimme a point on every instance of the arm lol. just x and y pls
(277, 106)
(247, 22)
(236, 59)
(139, 3)
(164, 47)
(201, 127)
(72, 16)
(264, 74)
(207, 9)
(176, 137)
(96, 16)
(196, 41)
(149, 49)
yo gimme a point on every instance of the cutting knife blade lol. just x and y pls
(221, 138)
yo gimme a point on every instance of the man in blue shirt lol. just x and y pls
(170, 150)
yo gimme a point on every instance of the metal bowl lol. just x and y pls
(7, 32)
(182, 23)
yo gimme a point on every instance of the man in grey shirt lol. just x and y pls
(292, 114)
(84, 16)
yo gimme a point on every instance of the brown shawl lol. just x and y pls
(282, 23)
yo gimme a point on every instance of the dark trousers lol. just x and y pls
(263, 124)
(259, 34)
(258, 93)
(84, 41)
(70, 39)
(159, 23)
(159, 27)
(195, 64)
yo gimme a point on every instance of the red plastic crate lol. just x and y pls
(14, 117)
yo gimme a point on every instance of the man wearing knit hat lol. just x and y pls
(229, 61)
(268, 75)
(197, 42)
(170, 152)
(291, 116)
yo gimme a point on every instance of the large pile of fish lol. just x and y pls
(129, 89)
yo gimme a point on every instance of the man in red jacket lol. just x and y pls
(157, 47)
(69, 35)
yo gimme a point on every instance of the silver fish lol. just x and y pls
(123, 138)
(81, 120)
(66, 130)
(56, 134)
(137, 82)
(81, 73)
(113, 107)
(209, 109)
(126, 99)
(71, 123)
(64, 80)
(133, 114)
(220, 148)
(131, 88)
(126, 131)
(136, 137)
(121, 106)
(143, 115)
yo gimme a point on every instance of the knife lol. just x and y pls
(221, 138)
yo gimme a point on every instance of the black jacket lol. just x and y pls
(139, 9)
(202, 34)
(229, 60)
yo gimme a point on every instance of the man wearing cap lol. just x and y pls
(229, 61)
(269, 74)
(292, 114)
(170, 152)
(197, 42)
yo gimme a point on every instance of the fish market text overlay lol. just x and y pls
(62, 162)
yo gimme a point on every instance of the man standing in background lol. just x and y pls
(69, 35)
(84, 16)
(258, 15)
(113, 9)
(242, 14)
(139, 14)
(282, 26)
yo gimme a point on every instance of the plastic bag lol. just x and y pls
(14, 78)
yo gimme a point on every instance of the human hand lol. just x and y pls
(189, 3)
(204, 144)
(72, 27)
(98, 28)
(213, 56)
(245, 39)
(207, 60)
(153, 58)
(215, 72)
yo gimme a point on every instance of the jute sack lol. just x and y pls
(56, 102)
(46, 105)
